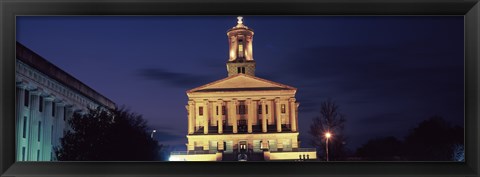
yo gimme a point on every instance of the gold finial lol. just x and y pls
(240, 20)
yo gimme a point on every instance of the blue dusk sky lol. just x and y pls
(387, 73)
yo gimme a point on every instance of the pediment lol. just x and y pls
(241, 82)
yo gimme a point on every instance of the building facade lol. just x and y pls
(242, 117)
(46, 99)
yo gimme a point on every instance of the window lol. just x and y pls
(200, 111)
(217, 110)
(40, 104)
(241, 109)
(64, 113)
(223, 110)
(266, 109)
(240, 50)
(283, 108)
(39, 130)
(53, 109)
(259, 110)
(23, 153)
(26, 98)
(239, 70)
(243, 70)
(24, 133)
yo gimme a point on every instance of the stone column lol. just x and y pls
(270, 111)
(33, 126)
(293, 114)
(19, 122)
(206, 117)
(59, 116)
(264, 116)
(233, 115)
(69, 115)
(250, 114)
(47, 135)
(220, 117)
(191, 117)
(277, 115)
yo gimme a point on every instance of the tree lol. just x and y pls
(107, 135)
(433, 140)
(329, 120)
(381, 149)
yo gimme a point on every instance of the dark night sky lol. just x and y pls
(387, 73)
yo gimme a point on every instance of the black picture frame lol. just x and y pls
(10, 8)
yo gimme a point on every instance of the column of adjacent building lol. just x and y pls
(47, 128)
(33, 126)
(59, 113)
(191, 117)
(21, 142)
(264, 116)
(69, 115)
(206, 117)
(293, 114)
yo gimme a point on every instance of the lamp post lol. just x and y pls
(153, 131)
(327, 135)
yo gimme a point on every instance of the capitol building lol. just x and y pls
(242, 117)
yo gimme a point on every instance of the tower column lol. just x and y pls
(293, 114)
(191, 117)
(264, 116)
(206, 117)
(277, 115)
(249, 114)
(220, 116)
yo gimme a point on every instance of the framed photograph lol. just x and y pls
(194, 88)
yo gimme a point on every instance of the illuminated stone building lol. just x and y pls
(242, 117)
(46, 99)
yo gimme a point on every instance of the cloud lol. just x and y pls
(176, 79)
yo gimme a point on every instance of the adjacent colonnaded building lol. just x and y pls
(242, 117)
(46, 99)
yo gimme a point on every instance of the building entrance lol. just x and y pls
(243, 149)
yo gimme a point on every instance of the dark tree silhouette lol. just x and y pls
(381, 149)
(107, 135)
(329, 120)
(433, 140)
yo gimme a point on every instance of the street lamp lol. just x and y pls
(153, 131)
(327, 135)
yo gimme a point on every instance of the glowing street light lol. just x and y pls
(327, 135)
(153, 131)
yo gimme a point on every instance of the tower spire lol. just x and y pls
(240, 20)
(240, 39)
